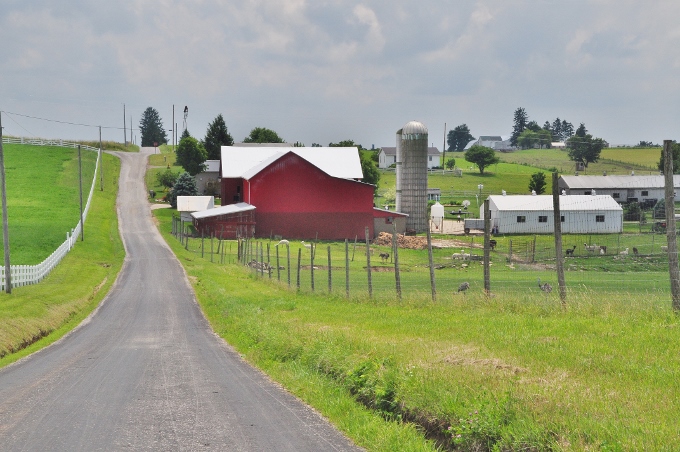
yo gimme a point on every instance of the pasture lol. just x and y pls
(43, 197)
(467, 372)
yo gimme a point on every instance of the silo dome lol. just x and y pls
(413, 130)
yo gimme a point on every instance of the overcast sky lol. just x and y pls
(320, 71)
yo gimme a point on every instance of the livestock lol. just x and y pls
(570, 252)
(603, 249)
(590, 248)
(664, 248)
(384, 256)
(635, 251)
(545, 287)
(283, 242)
(463, 287)
(624, 252)
(492, 244)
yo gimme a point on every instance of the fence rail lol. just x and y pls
(24, 275)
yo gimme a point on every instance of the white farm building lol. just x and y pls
(526, 214)
(643, 189)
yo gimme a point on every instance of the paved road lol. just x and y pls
(146, 372)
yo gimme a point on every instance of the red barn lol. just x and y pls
(300, 192)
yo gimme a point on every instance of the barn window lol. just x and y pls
(645, 193)
(588, 192)
(616, 195)
(599, 218)
(521, 219)
(542, 218)
(561, 218)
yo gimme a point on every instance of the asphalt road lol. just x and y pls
(145, 372)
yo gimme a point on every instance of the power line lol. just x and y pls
(61, 122)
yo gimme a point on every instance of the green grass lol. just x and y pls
(52, 308)
(516, 371)
(647, 158)
(43, 197)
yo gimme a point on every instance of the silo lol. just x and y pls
(412, 174)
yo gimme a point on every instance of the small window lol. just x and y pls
(389, 220)
(588, 192)
(599, 218)
(562, 219)
(521, 219)
(616, 195)
(645, 193)
(542, 218)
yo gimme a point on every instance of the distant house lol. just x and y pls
(527, 214)
(388, 156)
(496, 142)
(643, 189)
(208, 181)
(434, 194)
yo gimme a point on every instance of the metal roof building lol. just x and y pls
(226, 222)
(622, 188)
(388, 156)
(526, 214)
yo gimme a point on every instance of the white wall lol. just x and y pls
(575, 222)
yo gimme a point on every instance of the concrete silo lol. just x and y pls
(412, 174)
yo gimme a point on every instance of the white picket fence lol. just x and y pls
(23, 275)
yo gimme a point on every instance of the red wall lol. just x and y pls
(295, 199)
(231, 191)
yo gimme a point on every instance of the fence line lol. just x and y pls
(42, 142)
(24, 275)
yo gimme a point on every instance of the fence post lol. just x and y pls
(288, 263)
(330, 282)
(298, 267)
(278, 268)
(269, 264)
(431, 261)
(395, 253)
(671, 233)
(261, 259)
(311, 261)
(368, 266)
(559, 258)
(487, 247)
(510, 252)
(533, 250)
(355, 246)
(347, 268)
(202, 244)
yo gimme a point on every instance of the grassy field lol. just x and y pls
(32, 317)
(647, 158)
(515, 371)
(40, 213)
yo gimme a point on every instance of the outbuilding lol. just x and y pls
(226, 222)
(527, 214)
(643, 189)
(188, 204)
(387, 156)
(300, 192)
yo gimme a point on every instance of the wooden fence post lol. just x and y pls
(278, 267)
(368, 266)
(433, 286)
(298, 267)
(288, 262)
(487, 248)
(269, 264)
(311, 261)
(559, 257)
(347, 268)
(671, 233)
(330, 280)
(395, 253)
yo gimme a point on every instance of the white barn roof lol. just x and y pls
(613, 182)
(194, 203)
(545, 203)
(341, 162)
(223, 210)
(211, 166)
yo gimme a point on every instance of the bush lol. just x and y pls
(185, 186)
(166, 178)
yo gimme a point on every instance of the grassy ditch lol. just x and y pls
(511, 372)
(32, 317)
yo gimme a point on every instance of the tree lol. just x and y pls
(581, 131)
(675, 149)
(521, 119)
(185, 186)
(151, 128)
(450, 164)
(345, 144)
(528, 139)
(369, 169)
(533, 126)
(458, 138)
(166, 178)
(567, 130)
(262, 135)
(185, 134)
(537, 183)
(215, 137)
(585, 149)
(191, 155)
(481, 156)
(557, 129)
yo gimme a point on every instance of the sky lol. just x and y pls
(322, 71)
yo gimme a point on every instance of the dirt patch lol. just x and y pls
(420, 243)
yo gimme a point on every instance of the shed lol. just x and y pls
(208, 180)
(526, 214)
(188, 204)
(387, 220)
(226, 222)
(643, 189)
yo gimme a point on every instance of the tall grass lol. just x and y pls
(514, 371)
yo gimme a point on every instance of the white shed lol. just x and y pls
(188, 204)
(526, 214)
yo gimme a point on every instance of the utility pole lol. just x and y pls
(671, 234)
(487, 247)
(124, 129)
(101, 162)
(80, 184)
(5, 223)
(174, 128)
(444, 152)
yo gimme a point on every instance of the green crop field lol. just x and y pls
(512, 371)
(43, 197)
(647, 158)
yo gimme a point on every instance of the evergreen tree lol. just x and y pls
(215, 137)
(185, 134)
(567, 130)
(537, 183)
(557, 129)
(191, 155)
(581, 131)
(521, 119)
(184, 186)
(151, 128)
(458, 138)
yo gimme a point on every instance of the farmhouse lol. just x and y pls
(302, 192)
(388, 156)
(526, 214)
(643, 189)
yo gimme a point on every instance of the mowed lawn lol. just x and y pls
(43, 197)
